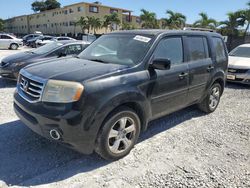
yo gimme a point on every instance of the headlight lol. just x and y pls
(62, 91)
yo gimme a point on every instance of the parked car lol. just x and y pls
(102, 101)
(30, 36)
(32, 42)
(10, 42)
(239, 65)
(11, 65)
(43, 42)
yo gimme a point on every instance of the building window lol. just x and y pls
(71, 23)
(80, 9)
(113, 10)
(66, 12)
(70, 11)
(127, 18)
(94, 9)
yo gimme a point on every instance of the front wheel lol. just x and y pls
(13, 46)
(119, 134)
(212, 100)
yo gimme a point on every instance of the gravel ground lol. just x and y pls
(184, 149)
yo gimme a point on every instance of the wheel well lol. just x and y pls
(221, 82)
(138, 109)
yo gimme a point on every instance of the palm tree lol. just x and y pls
(111, 20)
(246, 16)
(175, 20)
(205, 22)
(149, 19)
(234, 21)
(82, 22)
(93, 23)
(230, 26)
(96, 24)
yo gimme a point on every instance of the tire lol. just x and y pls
(212, 100)
(13, 46)
(118, 134)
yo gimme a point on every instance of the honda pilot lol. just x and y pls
(105, 97)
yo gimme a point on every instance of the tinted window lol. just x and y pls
(74, 49)
(5, 37)
(170, 48)
(198, 48)
(219, 49)
(240, 52)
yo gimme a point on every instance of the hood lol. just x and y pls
(19, 57)
(239, 62)
(72, 69)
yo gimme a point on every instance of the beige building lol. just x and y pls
(61, 20)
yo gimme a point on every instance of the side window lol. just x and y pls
(170, 48)
(198, 48)
(5, 37)
(219, 49)
(73, 49)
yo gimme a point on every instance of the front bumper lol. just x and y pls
(8, 73)
(243, 78)
(42, 118)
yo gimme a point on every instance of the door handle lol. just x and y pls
(183, 75)
(210, 68)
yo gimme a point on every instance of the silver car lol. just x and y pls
(239, 65)
(10, 42)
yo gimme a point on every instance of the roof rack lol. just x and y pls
(198, 29)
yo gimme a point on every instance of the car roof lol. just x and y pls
(68, 42)
(244, 45)
(157, 32)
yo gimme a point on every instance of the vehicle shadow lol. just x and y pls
(7, 83)
(232, 85)
(27, 159)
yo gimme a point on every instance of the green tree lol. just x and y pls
(110, 20)
(245, 15)
(40, 6)
(148, 19)
(127, 26)
(205, 22)
(230, 26)
(175, 20)
(93, 23)
(1, 24)
(82, 22)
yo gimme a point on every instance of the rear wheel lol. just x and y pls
(13, 46)
(119, 134)
(212, 100)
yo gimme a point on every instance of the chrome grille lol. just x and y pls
(231, 70)
(31, 89)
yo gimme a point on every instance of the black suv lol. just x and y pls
(101, 100)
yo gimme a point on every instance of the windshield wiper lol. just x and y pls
(98, 60)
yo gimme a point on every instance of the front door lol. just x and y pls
(170, 87)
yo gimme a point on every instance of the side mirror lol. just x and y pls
(161, 64)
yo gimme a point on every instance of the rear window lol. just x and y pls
(198, 48)
(219, 49)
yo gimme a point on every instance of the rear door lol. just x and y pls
(200, 66)
(169, 91)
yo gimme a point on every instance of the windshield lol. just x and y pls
(46, 48)
(240, 52)
(123, 49)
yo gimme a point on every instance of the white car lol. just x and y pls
(43, 42)
(239, 65)
(10, 42)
